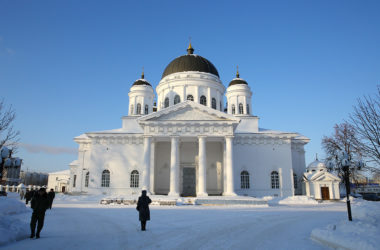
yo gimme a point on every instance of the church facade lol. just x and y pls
(189, 144)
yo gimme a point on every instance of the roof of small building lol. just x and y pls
(141, 81)
(63, 172)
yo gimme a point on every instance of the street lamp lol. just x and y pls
(343, 162)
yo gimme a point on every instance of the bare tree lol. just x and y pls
(366, 121)
(344, 139)
(8, 135)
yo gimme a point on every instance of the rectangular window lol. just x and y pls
(75, 180)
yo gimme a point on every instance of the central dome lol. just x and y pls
(190, 62)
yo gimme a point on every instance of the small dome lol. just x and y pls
(141, 81)
(316, 165)
(190, 62)
(237, 80)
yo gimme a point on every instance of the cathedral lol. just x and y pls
(182, 141)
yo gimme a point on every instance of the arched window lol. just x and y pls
(177, 99)
(213, 103)
(134, 179)
(244, 178)
(247, 109)
(233, 109)
(87, 179)
(220, 106)
(138, 107)
(75, 180)
(166, 102)
(190, 98)
(106, 178)
(203, 100)
(275, 181)
(241, 109)
(295, 181)
(131, 110)
(146, 109)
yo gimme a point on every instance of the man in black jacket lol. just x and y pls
(51, 196)
(39, 204)
(143, 208)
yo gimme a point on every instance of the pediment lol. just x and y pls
(188, 111)
(325, 176)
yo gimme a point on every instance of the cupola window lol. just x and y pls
(241, 110)
(203, 100)
(166, 102)
(233, 109)
(213, 103)
(190, 98)
(247, 109)
(138, 111)
(146, 109)
(177, 99)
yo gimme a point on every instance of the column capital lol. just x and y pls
(229, 136)
(202, 136)
(147, 136)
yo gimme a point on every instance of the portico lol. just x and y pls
(186, 159)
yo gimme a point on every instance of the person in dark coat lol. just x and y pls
(51, 196)
(29, 195)
(143, 208)
(39, 204)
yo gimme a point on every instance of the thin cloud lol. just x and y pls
(35, 149)
(10, 51)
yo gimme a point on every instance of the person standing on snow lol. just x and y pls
(143, 208)
(51, 196)
(39, 204)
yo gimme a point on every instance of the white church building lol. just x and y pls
(189, 143)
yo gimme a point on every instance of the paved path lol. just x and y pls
(93, 226)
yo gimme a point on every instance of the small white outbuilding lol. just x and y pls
(319, 183)
(59, 181)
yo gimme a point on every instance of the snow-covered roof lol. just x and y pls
(75, 162)
(63, 172)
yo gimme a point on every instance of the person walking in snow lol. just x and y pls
(29, 195)
(39, 204)
(143, 208)
(51, 196)
(22, 194)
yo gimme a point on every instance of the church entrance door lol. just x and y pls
(325, 193)
(188, 183)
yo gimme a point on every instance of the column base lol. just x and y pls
(173, 194)
(229, 194)
(202, 194)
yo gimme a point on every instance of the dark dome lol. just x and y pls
(190, 62)
(237, 80)
(141, 81)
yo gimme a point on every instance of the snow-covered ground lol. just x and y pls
(80, 222)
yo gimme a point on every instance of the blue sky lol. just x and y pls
(67, 66)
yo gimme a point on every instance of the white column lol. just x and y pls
(229, 166)
(174, 168)
(146, 166)
(152, 160)
(134, 105)
(184, 94)
(245, 105)
(292, 181)
(280, 179)
(237, 105)
(218, 101)
(196, 94)
(202, 167)
(208, 97)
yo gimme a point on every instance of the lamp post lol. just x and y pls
(342, 161)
